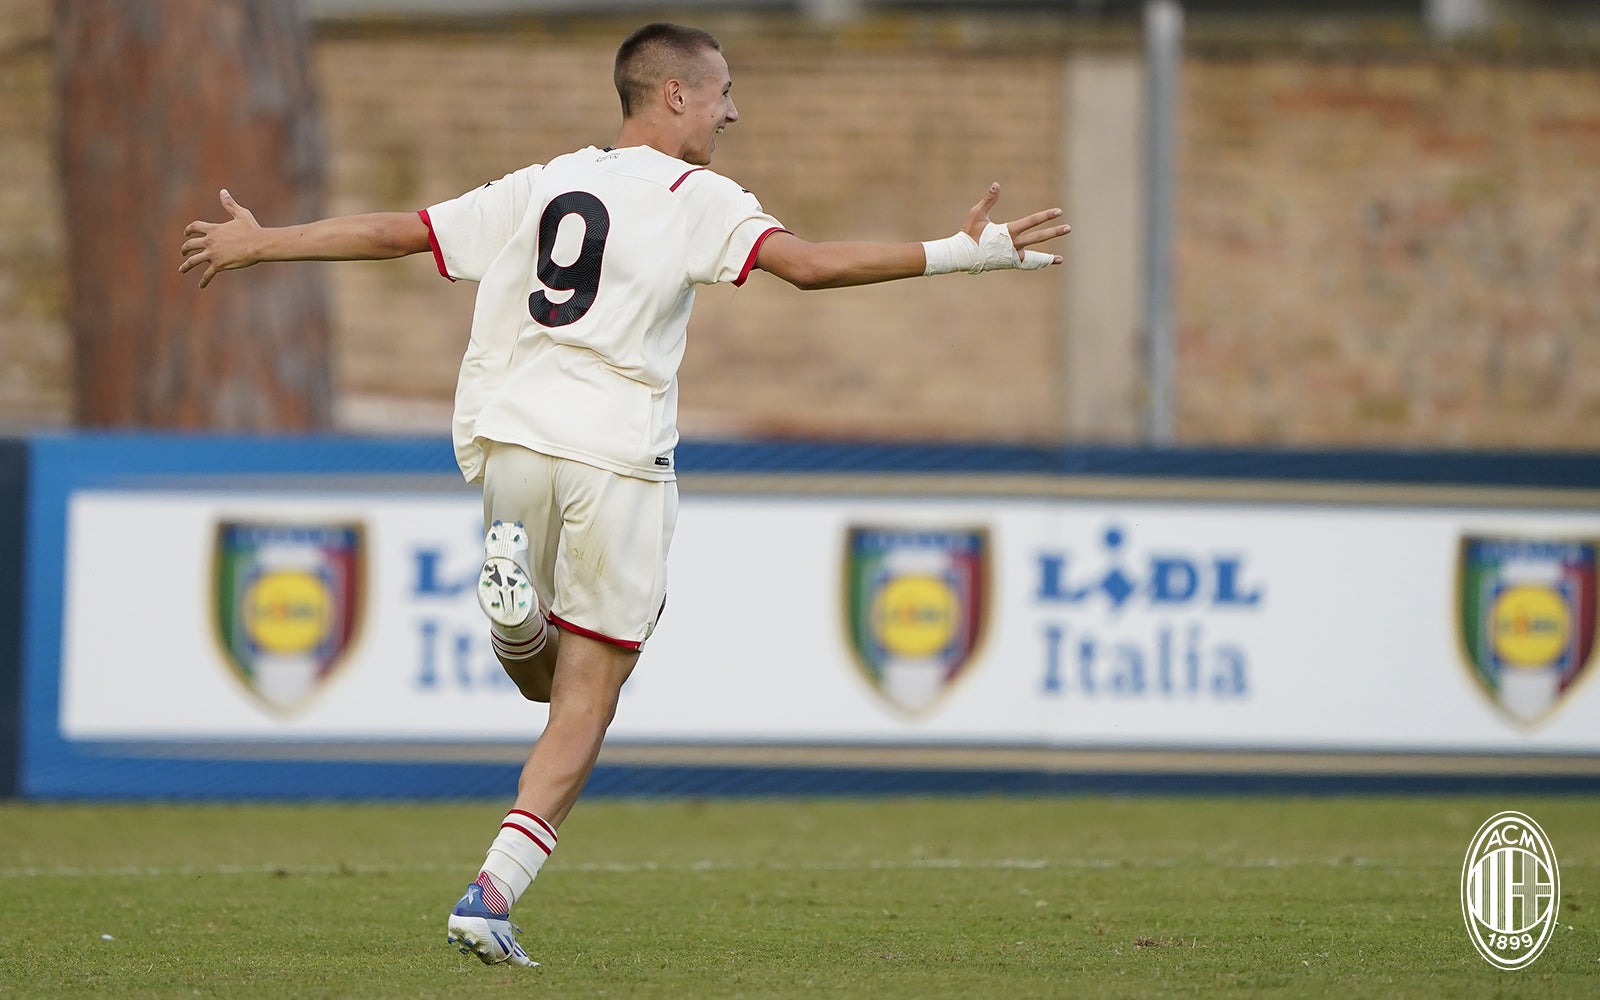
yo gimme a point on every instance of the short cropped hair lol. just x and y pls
(653, 54)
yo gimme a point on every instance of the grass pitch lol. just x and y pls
(983, 898)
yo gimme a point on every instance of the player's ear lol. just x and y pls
(673, 91)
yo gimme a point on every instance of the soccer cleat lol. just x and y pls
(504, 592)
(477, 930)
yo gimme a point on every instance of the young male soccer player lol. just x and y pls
(567, 400)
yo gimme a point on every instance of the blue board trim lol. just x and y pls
(13, 522)
(1568, 470)
(136, 778)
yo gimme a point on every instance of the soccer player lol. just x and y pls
(566, 404)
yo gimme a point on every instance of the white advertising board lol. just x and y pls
(1037, 622)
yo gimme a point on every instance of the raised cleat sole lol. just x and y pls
(505, 593)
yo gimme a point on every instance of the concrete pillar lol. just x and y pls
(1102, 356)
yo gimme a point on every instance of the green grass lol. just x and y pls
(883, 899)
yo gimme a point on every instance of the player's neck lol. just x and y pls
(639, 132)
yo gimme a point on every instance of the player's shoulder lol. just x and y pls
(708, 190)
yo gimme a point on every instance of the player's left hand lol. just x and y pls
(221, 246)
(1025, 232)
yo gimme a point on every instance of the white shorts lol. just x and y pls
(597, 541)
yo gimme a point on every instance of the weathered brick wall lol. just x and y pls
(1392, 251)
(35, 357)
(869, 135)
(1395, 250)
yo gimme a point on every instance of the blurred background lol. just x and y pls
(1296, 454)
(1322, 223)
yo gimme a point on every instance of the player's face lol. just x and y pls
(710, 109)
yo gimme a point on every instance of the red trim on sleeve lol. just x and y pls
(433, 243)
(750, 261)
(685, 177)
(580, 630)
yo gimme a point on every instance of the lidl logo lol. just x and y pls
(287, 602)
(1527, 619)
(915, 601)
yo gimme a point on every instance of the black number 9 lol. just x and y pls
(582, 276)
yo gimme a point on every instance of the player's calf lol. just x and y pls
(533, 675)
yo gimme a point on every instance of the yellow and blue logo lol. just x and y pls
(915, 603)
(1526, 616)
(287, 602)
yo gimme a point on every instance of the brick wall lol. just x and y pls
(888, 133)
(35, 356)
(1394, 250)
(1391, 251)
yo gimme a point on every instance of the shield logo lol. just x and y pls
(1526, 619)
(287, 601)
(915, 603)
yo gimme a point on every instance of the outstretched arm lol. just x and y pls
(241, 241)
(838, 265)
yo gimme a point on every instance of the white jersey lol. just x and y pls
(587, 268)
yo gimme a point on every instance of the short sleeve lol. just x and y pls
(726, 227)
(468, 233)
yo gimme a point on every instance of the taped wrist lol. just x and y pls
(993, 252)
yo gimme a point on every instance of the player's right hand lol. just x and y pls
(220, 246)
(1025, 232)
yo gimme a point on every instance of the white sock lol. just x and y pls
(515, 857)
(519, 642)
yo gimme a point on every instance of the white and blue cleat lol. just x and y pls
(477, 930)
(504, 591)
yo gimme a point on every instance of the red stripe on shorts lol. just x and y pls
(567, 626)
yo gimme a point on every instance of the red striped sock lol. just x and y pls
(519, 649)
(515, 857)
(493, 895)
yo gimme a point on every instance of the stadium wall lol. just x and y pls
(292, 620)
(1381, 240)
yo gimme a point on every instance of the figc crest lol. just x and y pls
(287, 603)
(915, 603)
(1526, 614)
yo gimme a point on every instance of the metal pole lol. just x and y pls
(1163, 46)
